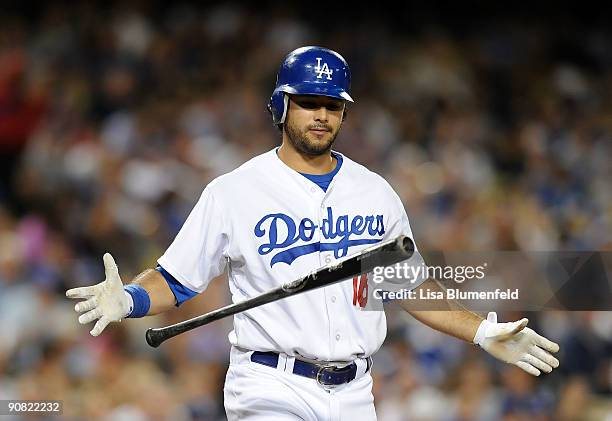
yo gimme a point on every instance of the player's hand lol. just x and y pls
(517, 344)
(106, 301)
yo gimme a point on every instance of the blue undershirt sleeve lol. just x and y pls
(180, 291)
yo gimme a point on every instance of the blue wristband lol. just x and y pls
(142, 301)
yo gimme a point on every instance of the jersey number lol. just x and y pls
(360, 290)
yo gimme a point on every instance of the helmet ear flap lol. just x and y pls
(278, 106)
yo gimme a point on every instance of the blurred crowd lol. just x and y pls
(113, 119)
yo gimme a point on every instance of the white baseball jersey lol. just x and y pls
(268, 224)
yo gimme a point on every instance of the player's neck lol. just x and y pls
(307, 164)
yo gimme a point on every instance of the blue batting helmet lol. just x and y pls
(309, 71)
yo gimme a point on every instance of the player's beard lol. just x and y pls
(302, 143)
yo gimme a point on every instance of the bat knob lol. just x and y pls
(154, 338)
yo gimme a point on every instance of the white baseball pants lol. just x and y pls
(255, 392)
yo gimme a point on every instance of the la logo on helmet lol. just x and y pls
(325, 70)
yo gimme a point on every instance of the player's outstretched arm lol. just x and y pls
(109, 301)
(452, 319)
(512, 342)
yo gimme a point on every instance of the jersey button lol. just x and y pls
(333, 299)
(313, 189)
(338, 337)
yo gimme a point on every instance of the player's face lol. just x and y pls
(313, 123)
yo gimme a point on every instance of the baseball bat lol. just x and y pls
(382, 254)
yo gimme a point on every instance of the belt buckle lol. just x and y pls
(320, 381)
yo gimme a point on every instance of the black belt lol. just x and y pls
(326, 375)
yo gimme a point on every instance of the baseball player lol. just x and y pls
(276, 218)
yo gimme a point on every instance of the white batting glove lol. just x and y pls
(517, 344)
(106, 301)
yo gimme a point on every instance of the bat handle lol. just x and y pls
(155, 337)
